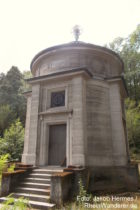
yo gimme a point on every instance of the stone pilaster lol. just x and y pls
(27, 128)
(78, 121)
(29, 156)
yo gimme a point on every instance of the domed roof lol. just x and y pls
(76, 54)
(74, 44)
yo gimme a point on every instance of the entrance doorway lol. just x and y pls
(57, 145)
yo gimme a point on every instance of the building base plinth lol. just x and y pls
(112, 179)
(29, 159)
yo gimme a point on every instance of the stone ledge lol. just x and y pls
(61, 74)
(62, 174)
(56, 111)
(12, 173)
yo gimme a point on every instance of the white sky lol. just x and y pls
(29, 26)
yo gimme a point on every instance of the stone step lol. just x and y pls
(35, 185)
(32, 190)
(36, 188)
(33, 197)
(37, 180)
(35, 204)
(36, 175)
(46, 171)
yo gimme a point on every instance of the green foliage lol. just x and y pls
(25, 86)
(11, 92)
(3, 164)
(9, 86)
(133, 126)
(12, 107)
(135, 38)
(11, 168)
(82, 191)
(6, 117)
(129, 50)
(19, 204)
(13, 139)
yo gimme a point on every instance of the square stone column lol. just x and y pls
(78, 121)
(27, 127)
(29, 156)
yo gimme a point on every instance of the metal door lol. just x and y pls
(57, 144)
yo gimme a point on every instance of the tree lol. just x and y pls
(14, 77)
(7, 116)
(11, 92)
(25, 86)
(12, 142)
(133, 126)
(129, 50)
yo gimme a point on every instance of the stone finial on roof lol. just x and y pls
(77, 32)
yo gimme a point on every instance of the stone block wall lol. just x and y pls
(99, 131)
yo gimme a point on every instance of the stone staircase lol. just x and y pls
(36, 188)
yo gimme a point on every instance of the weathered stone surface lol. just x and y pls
(101, 61)
(61, 187)
(93, 112)
(112, 179)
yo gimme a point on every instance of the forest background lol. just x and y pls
(13, 102)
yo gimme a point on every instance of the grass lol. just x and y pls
(122, 201)
(13, 204)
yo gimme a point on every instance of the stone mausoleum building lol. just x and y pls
(75, 111)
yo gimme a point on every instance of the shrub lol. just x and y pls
(18, 204)
(12, 142)
(3, 164)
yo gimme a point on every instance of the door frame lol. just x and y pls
(48, 135)
(44, 140)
